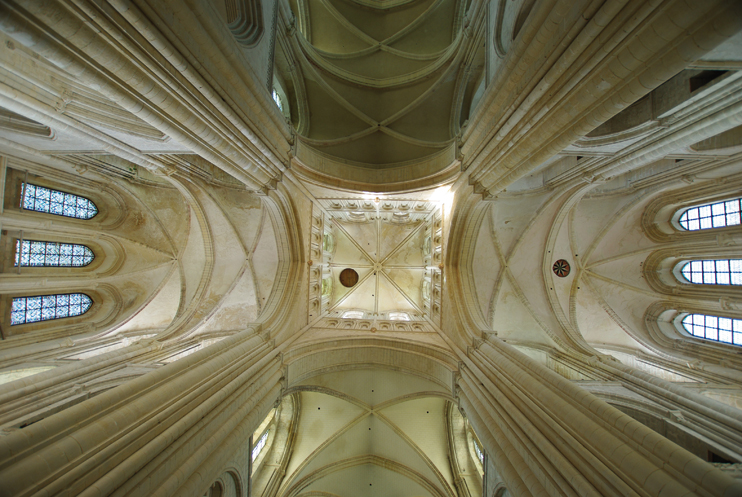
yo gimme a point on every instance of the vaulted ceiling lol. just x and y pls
(371, 433)
(382, 83)
(389, 250)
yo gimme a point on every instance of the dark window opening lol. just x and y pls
(703, 78)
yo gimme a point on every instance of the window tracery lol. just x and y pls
(42, 199)
(717, 328)
(714, 272)
(47, 307)
(35, 253)
(716, 215)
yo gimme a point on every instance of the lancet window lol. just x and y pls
(47, 307)
(478, 450)
(41, 199)
(714, 272)
(717, 328)
(259, 445)
(717, 215)
(277, 99)
(34, 253)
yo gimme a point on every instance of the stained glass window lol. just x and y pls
(716, 328)
(399, 316)
(714, 272)
(35, 253)
(709, 216)
(259, 445)
(45, 307)
(41, 199)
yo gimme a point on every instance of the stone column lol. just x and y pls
(168, 432)
(548, 436)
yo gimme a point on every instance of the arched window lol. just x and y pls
(45, 307)
(34, 253)
(353, 315)
(41, 199)
(720, 329)
(277, 99)
(399, 316)
(478, 449)
(714, 272)
(709, 216)
(259, 445)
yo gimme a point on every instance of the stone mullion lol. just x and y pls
(73, 444)
(611, 435)
(543, 439)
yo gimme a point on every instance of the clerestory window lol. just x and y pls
(717, 328)
(259, 445)
(42, 199)
(47, 307)
(717, 215)
(277, 99)
(714, 272)
(35, 253)
(353, 315)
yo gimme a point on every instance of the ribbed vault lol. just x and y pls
(382, 79)
(375, 432)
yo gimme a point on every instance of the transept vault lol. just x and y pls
(329, 248)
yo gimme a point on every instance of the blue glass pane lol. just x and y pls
(52, 254)
(41, 199)
(716, 215)
(46, 307)
(717, 328)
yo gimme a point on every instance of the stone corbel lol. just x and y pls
(725, 240)
(591, 179)
(677, 416)
(271, 185)
(697, 364)
(475, 344)
(729, 304)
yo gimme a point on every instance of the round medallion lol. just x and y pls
(348, 277)
(561, 268)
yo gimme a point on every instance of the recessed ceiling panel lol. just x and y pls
(393, 235)
(391, 298)
(338, 290)
(409, 252)
(365, 235)
(346, 252)
(361, 296)
(409, 280)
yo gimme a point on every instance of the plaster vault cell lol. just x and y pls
(371, 432)
(388, 258)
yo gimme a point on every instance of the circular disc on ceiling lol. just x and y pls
(348, 277)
